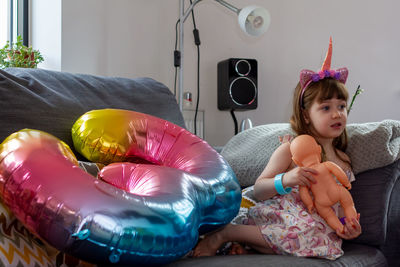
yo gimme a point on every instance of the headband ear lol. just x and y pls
(305, 77)
(342, 75)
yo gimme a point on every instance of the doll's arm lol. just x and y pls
(339, 173)
(306, 198)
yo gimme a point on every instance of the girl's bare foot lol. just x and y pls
(209, 245)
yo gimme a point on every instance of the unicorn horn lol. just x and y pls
(328, 57)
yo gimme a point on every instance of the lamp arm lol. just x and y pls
(222, 2)
(229, 6)
(188, 10)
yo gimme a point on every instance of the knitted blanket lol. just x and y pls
(370, 145)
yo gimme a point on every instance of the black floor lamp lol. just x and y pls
(253, 20)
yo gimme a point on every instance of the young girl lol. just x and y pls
(279, 223)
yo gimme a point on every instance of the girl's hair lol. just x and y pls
(321, 90)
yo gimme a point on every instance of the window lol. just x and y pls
(3, 22)
(14, 19)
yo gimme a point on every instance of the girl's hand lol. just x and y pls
(351, 230)
(299, 176)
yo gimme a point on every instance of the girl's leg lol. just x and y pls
(248, 234)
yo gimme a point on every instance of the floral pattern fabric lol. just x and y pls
(289, 229)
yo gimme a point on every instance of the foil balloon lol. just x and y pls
(113, 135)
(144, 214)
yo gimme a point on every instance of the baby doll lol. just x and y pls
(326, 192)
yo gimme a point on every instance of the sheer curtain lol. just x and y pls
(4, 26)
(14, 21)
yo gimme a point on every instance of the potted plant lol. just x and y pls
(19, 55)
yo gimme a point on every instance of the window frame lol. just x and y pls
(19, 21)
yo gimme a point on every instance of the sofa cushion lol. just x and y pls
(354, 255)
(51, 101)
(371, 193)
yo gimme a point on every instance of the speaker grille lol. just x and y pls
(242, 67)
(243, 91)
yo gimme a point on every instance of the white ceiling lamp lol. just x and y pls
(253, 20)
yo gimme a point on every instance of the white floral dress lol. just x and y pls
(288, 228)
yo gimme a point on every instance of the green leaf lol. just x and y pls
(19, 55)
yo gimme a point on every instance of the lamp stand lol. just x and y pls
(256, 28)
(183, 14)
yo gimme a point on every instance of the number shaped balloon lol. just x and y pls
(147, 214)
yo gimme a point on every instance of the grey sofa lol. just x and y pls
(51, 101)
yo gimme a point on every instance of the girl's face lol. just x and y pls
(327, 118)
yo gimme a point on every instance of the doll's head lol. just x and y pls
(305, 151)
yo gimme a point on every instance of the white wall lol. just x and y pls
(46, 31)
(136, 38)
(85, 36)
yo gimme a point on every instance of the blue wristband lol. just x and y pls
(279, 186)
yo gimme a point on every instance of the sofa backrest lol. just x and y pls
(51, 101)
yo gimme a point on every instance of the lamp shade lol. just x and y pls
(254, 20)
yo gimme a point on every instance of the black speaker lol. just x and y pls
(237, 84)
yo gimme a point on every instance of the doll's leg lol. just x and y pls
(346, 201)
(248, 234)
(240, 249)
(306, 198)
(237, 249)
(329, 216)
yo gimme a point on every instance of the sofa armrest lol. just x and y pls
(376, 195)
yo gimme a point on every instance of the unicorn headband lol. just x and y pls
(309, 76)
